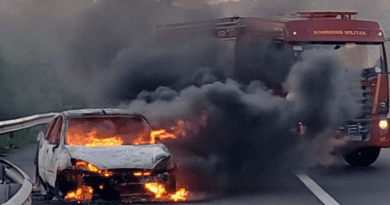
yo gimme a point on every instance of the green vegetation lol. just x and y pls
(20, 139)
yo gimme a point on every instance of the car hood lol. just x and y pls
(119, 157)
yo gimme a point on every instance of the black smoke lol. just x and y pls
(243, 137)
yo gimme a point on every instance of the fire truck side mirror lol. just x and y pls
(378, 70)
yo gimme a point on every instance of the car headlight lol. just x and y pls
(83, 165)
(166, 164)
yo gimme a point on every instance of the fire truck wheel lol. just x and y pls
(362, 157)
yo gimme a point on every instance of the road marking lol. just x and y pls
(324, 197)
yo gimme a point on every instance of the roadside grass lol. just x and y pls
(20, 139)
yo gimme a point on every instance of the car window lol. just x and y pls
(106, 131)
(49, 129)
(56, 132)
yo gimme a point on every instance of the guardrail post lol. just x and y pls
(11, 135)
(3, 174)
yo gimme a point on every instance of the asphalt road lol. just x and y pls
(343, 184)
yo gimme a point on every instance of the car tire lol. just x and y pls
(62, 186)
(49, 193)
(362, 157)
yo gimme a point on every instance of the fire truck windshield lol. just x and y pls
(360, 56)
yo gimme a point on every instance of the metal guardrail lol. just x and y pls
(23, 195)
(10, 126)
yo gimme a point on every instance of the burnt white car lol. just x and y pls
(101, 154)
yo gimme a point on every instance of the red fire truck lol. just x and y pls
(260, 47)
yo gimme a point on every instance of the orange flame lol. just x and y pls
(160, 193)
(93, 168)
(162, 134)
(180, 195)
(156, 188)
(77, 137)
(82, 193)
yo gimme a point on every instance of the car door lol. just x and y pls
(51, 148)
(43, 146)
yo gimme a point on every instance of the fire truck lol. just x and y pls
(264, 49)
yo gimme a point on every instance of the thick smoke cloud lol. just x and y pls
(239, 137)
(322, 89)
(231, 132)
(147, 67)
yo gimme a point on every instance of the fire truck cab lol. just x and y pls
(257, 46)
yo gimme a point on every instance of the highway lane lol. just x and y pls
(357, 185)
(292, 192)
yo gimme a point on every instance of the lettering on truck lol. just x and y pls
(340, 32)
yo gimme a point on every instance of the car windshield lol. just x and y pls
(360, 56)
(95, 131)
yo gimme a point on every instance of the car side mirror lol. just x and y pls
(40, 136)
(55, 147)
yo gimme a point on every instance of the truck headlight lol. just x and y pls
(383, 124)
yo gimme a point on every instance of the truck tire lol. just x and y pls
(362, 157)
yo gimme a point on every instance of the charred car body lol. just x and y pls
(257, 46)
(102, 153)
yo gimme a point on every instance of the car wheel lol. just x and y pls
(49, 193)
(362, 157)
(62, 186)
(60, 190)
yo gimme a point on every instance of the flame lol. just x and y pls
(160, 193)
(93, 168)
(82, 193)
(156, 188)
(76, 136)
(111, 141)
(140, 174)
(180, 195)
(79, 138)
(162, 134)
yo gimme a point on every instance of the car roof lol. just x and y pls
(99, 111)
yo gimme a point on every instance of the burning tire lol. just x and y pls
(363, 156)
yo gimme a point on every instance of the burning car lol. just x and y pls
(107, 154)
